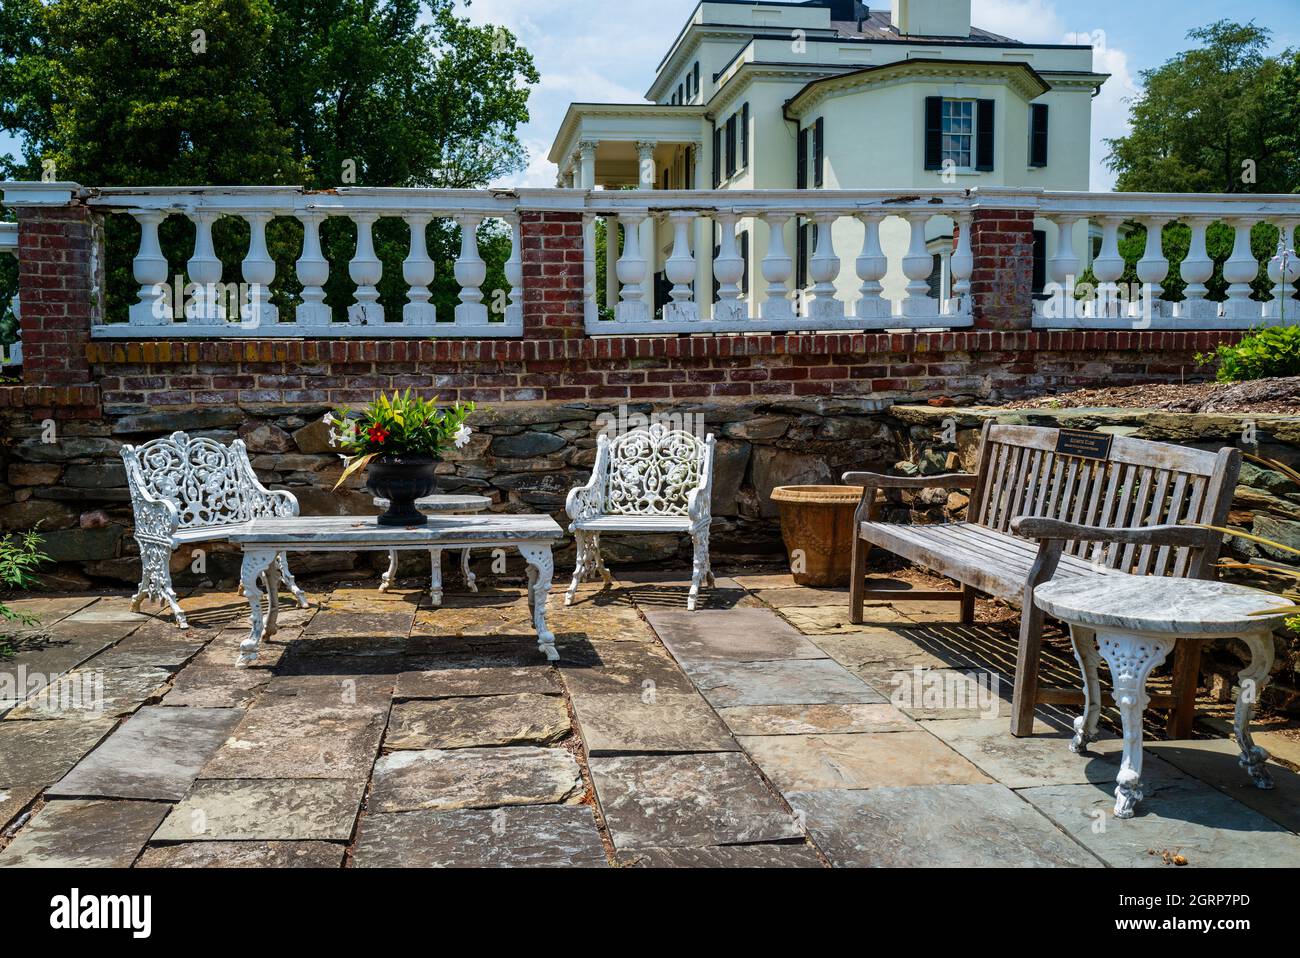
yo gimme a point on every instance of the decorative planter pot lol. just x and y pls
(402, 479)
(817, 526)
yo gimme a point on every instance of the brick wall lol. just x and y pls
(60, 281)
(1003, 279)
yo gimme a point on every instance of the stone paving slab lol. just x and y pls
(443, 780)
(50, 609)
(819, 620)
(620, 667)
(944, 694)
(666, 801)
(243, 855)
(890, 650)
(156, 754)
(84, 834)
(1188, 818)
(526, 719)
(474, 680)
(89, 694)
(635, 721)
(164, 647)
(791, 682)
(378, 623)
(275, 810)
(804, 763)
(300, 741)
(535, 836)
(223, 651)
(40, 753)
(1282, 743)
(109, 611)
(216, 686)
(944, 826)
(326, 690)
(13, 799)
(49, 655)
(736, 635)
(804, 598)
(725, 856)
(361, 644)
(828, 718)
(1215, 762)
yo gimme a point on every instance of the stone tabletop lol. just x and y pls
(448, 503)
(1156, 604)
(364, 531)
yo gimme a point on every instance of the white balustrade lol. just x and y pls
(1108, 267)
(872, 266)
(1197, 269)
(471, 274)
(419, 270)
(632, 308)
(366, 270)
(824, 269)
(729, 270)
(1241, 270)
(918, 264)
(205, 306)
(154, 301)
(778, 267)
(258, 269)
(680, 270)
(313, 272)
(1152, 270)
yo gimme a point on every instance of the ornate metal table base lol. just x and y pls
(435, 579)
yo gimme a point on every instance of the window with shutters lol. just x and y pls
(717, 157)
(1038, 134)
(959, 133)
(695, 75)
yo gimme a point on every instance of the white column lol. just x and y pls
(515, 274)
(631, 272)
(1108, 267)
(824, 268)
(778, 266)
(730, 269)
(418, 270)
(366, 270)
(962, 264)
(1241, 270)
(205, 308)
(587, 165)
(918, 264)
(1196, 270)
(471, 273)
(680, 270)
(154, 303)
(1152, 270)
(313, 273)
(872, 265)
(259, 273)
(649, 175)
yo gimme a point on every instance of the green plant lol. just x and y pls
(19, 556)
(402, 425)
(1264, 353)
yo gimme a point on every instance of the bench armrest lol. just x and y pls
(1033, 527)
(875, 480)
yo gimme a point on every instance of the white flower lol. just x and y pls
(462, 436)
(329, 419)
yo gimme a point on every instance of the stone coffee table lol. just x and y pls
(1133, 623)
(439, 506)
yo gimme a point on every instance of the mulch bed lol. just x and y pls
(1260, 396)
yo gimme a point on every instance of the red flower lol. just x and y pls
(378, 434)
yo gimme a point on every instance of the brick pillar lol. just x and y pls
(1003, 281)
(553, 275)
(60, 290)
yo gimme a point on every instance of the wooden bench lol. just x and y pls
(1048, 503)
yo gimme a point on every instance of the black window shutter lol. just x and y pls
(744, 137)
(984, 136)
(801, 165)
(696, 72)
(1040, 262)
(744, 255)
(819, 145)
(1038, 134)
(801, 257)
(934, 133)
(690, 167)
(717, 157)
(731, 146)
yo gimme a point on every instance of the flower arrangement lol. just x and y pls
(404, 425)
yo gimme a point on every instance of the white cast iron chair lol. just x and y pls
(648, 480)
(186, 490)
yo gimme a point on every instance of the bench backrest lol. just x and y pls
(1136, 483)
(210, 484)
(652, 471)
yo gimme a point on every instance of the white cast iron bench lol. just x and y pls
(653, 480)
(188, 490)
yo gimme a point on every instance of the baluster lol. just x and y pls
(206, 307)
(872, 265)
(471, 273)
(313, 272)
(259, 273)
(366, 270)
(1065, 264)
(729, 269)
(1241, 270)
(632, 308)
(1108, 267)
(1283, 270)
(154, 307)
(1196, 271)
(823, 270)
(680, 270)
(514, 270)
(778, 266)
(1152, 269)
(918, 264)
(962, 265)
(418, 270)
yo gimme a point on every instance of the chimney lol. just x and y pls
(931, 18)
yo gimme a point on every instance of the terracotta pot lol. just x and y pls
(402, 479)
(817, 526)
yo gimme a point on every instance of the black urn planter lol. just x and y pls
(402, 479)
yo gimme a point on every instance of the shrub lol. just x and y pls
(1263, 354)
(18, 557)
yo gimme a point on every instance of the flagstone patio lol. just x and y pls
(763, 730)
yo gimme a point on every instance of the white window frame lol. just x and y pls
(945, 154)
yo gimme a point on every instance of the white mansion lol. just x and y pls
(830, 94)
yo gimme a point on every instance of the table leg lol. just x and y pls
(257, 562)
(1131, 659)
(466, 572)
(1252, 681)
(435, 580)
(1084, 641)
(541, 568)
(391, 575)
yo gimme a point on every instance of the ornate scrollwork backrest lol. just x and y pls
(208, 483)
(653, 471)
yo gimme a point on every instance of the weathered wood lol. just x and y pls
(877, 481)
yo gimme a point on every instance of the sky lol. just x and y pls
(607, 51)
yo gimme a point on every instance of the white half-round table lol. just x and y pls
(451, 505)
(1133, 623)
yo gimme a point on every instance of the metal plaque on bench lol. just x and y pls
(1084, 445)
